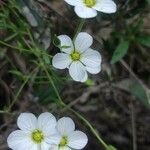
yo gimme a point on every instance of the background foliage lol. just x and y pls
(119, 95)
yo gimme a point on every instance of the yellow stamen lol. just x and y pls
(37, 136)
(63, 141)
(75, 56)
(90, 3)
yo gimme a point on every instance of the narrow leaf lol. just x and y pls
(56, 41)
(144, 40)
(120, 51)
(139, 92)
(110, 147)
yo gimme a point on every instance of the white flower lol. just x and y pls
(69, 138)
(78, 57)
(33, 132)
(89, 8)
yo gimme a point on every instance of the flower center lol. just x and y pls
(75, 56)
(90, 3)
(63, 141)
(37, 136)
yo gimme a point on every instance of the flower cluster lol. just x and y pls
(45, 133)
(78, 57)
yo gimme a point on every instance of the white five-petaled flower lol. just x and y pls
(89, 8)
(78, 57)
(69, 138)
(33, 132)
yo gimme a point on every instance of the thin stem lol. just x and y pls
(4, 112)
(138, 80)
(133, 127)
(17, 95)
(23, 49)
(20, 89)
(79, 28)
(52, 83)
(11, 46)
(46, 71)
(11, 37)
(76, 113)
(89, 125)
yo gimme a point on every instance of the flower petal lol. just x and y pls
(64, 148)
(106, 6)
(91, 58)
(36, 147)
(65, 125)
(83, 41)
(47, 123)
(85, 12)
(53, 139)
(85, 77)
(94, 70)
(65, 41)
(74, 2)
(77, 140)
(27, 121)
(17, 139)
(61, 61)
(78, 72)
(56, 147)
(45, 146)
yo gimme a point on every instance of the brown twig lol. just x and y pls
(133, 74)
(134, 134)
(86, 94)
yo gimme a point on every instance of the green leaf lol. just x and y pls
(110, 147)
(46, 59)
(18, 74)
(46, 95)
(2, 53)
(140, 93)
(144, 40)
(120, 51)
(148, 1)
(136, 89)
(56, 41)
(65, 46)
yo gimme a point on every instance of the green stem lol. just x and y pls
(79, 28)
(76, 113)
(11, 46)
(17, 95)
(4, 112)
(89, 125)
(11, 37)
(52, 83)
(20, 89)
(22, 49)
